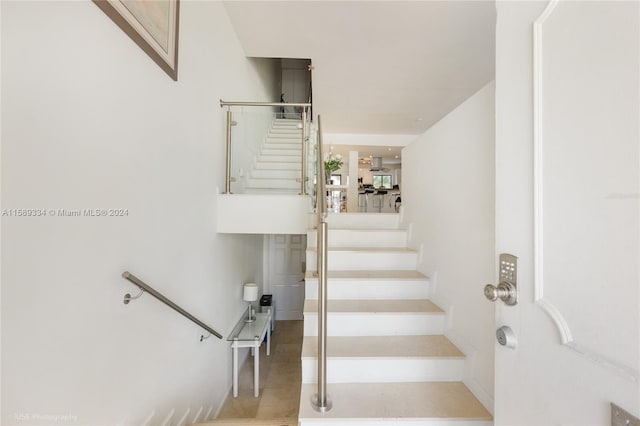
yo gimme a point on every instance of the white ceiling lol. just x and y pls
(379, 67)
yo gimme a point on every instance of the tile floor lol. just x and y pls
(280, 379)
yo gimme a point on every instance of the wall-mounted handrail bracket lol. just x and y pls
(128, 297)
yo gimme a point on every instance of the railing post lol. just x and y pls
(303, 173)
(227, 178)
(320, 401)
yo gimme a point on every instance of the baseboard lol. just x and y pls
(229, 388)
(485, 398)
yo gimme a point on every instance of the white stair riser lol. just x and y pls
(277, 166)
(363, 221)
(284, 138)
(361, 238)
(273, 183)
(287, 126)
(280, 152)
(282, 145)
(372, 324)
(285, 135)
(275, 174)
(364, 260)
(293, 127)
(385, 370)
(271, 191)
(370, 289)
(280, 159)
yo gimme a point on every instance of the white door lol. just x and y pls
(567, 205)
(286, 274)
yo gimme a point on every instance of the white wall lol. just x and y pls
(89, 121)
(448, 205)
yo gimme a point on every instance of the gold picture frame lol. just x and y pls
(152, 25)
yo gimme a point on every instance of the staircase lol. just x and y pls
(388, 362)
(279, 162)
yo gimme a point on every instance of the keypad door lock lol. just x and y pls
(507, 289)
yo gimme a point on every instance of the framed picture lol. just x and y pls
(152, 25)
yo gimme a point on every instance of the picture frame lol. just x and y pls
(152, 24)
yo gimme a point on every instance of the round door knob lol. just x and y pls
(505, 291)
(491, 292)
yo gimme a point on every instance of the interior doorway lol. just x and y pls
(287, 264)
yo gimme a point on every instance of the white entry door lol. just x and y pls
(286, 273)
(567, 205)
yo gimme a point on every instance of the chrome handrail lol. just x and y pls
(275, 104)
(320, 400)
(144, 287)
(305, 106)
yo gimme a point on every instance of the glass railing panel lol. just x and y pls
(312, 162)
(267, 148)
(266, 151)
(247, 135)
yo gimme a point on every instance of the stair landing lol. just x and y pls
(403, 404)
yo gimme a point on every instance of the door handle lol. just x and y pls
(505, 291)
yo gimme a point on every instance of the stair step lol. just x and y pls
(376, 318)
(286, 123)
(269, 165)
(369, 285)
(284, 138)
(375, 306)
(361, 237)
(249, 190)
(275, 174)
(285, 134)
(384, 359)
(279, 159)
(363, 258)
(363, 220)
(297, 152)
(286, 421)
(410, 404)
(273, 183)
(284, 144)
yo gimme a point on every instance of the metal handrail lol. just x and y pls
(320, 400)
(230, 123)
(275, 104)
(147, 288)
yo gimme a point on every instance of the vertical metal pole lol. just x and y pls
(320, 401)
(227, 179)
(303, 174)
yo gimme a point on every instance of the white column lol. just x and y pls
(352, 191)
